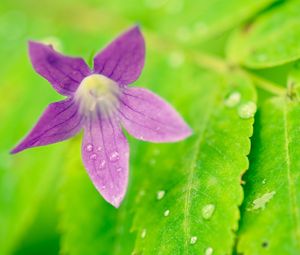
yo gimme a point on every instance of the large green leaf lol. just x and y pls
(189, 192)
(270, 40)
(270, 221)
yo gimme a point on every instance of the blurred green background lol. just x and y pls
(37, 185)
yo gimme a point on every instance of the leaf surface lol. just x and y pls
(189, 192)
(270, 221)
(270, 40)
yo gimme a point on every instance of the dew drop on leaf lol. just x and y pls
(247, 110)
(209, 251)
(166, 213)
(176, 59)
(233, 99)
(207, 211)
(144, 232)
(193, 239)
(261, 57)
(160, 194)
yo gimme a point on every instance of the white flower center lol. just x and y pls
(97, 93)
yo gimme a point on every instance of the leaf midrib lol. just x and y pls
(187, 200)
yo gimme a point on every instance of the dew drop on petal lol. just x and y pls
(207, 211)
(209, 251)
(233, 99)
(99, 148)
(193, 239)
(89, 147)
(119, 169)
(144, 232)
(102, 164)
(114, 156)
(160, 194)
(247, 110)
(93, 156)
(166, 213)
(103, 187)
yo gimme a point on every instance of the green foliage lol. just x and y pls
(271, 209)
(271, 39)
(190, 197)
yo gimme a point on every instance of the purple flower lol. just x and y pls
(100, 102)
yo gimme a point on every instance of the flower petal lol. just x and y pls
(63, 72)
(123, 59)
(148, 117)
(105, 155)
(59, 122)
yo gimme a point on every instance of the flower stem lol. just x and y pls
(219, 65)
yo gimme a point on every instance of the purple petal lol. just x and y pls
(59, 122)
(63, 72)
(105, 155)
(123, 59)
(148, 117)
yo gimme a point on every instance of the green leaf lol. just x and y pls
(190, 21)
(88, 224)
(270, 40)
(26, 178)
(189, 192)
(270, 221)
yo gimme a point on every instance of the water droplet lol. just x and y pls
(54, 41)
(160, 194)
(89, 147)
(200, 28)
(207, 211)
(174, 6)
(260, 203)
(193, 239)
(155, 4)
(93, 156)
(261, 57)
(103, 187)
(176, 59)
(166, 213)
(156, 152)
(152, 161)
(102, 164)
(209, 251)
(144, 232)
(264, 181)
(183, 34)
(233, 99)
(247, 110)
(114, 156)
(99, 148)
(119, 169)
